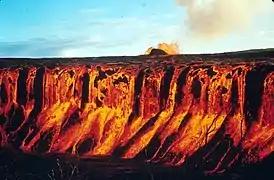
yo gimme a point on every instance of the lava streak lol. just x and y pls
(168, 113)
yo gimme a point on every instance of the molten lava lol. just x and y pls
(168, 110)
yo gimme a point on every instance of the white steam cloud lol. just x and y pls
(216, 18)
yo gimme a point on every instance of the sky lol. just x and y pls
(81, 28)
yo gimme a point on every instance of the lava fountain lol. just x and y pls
(161, 109)
(170, 49)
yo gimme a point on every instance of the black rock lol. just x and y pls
(157, 52)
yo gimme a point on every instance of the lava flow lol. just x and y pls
(165, 110)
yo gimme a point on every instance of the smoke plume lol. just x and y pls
(215, 18)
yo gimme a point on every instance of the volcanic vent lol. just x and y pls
(215, 110)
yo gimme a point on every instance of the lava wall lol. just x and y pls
(162, 111)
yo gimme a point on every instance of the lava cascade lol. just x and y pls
(164, 112)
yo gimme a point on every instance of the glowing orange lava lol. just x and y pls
(105, 107)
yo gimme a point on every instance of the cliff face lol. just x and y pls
(165, 110)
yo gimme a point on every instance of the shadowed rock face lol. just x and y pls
(157, 52)
(171, 110)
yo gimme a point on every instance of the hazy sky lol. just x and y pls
(35, 28)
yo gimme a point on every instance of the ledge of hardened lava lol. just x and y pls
(157, 106)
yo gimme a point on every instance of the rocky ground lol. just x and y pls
(18, 165)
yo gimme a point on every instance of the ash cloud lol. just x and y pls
(212, 19)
